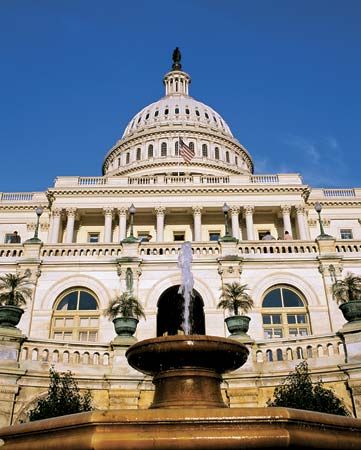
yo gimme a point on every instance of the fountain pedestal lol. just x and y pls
(187, 370)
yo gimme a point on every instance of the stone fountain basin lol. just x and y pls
(218, 354)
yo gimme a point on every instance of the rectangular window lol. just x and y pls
(93, 238)
(270, 333)
(178, 235)
(346, 233)
(262, 233)
(7, 238)
(214, 235)
(143, 236)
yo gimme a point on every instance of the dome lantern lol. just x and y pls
(176, 81)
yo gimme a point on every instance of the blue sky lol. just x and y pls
(285, 75)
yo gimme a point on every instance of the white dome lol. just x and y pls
(177, 108)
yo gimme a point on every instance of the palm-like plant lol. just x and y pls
(348, 289)
(14, 289)
(124, 305)
(234, 298)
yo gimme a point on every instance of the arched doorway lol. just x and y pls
(170, 313)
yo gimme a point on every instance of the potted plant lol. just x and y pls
(14, 293)
(235, 299)
(125, 311)
(347, 293)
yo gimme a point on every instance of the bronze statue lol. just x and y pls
(176, 59)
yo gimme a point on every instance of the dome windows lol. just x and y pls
(166, 111)
(147, 116)
(150, 151)
(176, 148)
(206, 115)
(187, 111)
(156, 113)
(197, 113)
(139, 154)
(176, 111)
(204, 150)
(163, 149)
(127, 158)
(227, 157)
(216, 153)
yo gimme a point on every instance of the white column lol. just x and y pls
(301, 221)
(248, 210)
(160, 211)
(55, 226)
(235, 221)
(70, 212)
(197, 218)
(286, 211)
(122, 223)
(108, 219)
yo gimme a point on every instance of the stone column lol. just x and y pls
(301, 221)
(70, 212)
(122, 223)
(160, 212)
(108, 219)
(286, 211)
(197, 218)
(235, 221)
(248, 210)
(55, 227)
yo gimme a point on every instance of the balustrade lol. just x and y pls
(339, 193)
(16, 196)
(277, 247)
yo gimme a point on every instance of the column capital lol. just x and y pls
(71, 212)
(108, 211)
(197, 210)
(286, 209)
(249, 210)
(300, 209)
(122, 211)
(235, 209)
(160, 210)
(57, 212)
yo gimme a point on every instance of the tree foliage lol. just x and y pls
(63, 398)
(348, 289)
(234, 298)
(14, 289)
(297, 391)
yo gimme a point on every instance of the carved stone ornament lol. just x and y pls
(197, 210)
(312, 222)
(300, 209)
(249, 210)
(235, 209)
(286, 209)
(108, 211)
(71, 212)
(31, 226)
(122, 211)
(57, 212)
(160, 210)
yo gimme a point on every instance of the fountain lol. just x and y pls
(188, 411)
(186, 368)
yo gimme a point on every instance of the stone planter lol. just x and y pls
(351, 310)
(125, 326)
(237, 324)
(10, 315)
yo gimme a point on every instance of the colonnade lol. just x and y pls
(248, 212)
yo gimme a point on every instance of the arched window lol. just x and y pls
(127, 158)
(187, 111)
(76, 316)
(216, 153)
(236, 160)
(139, 154)
(284, 313)
(166, 111)
(156, 113)
(150, 151)
(163, 149)
(204, 150)
(176, 111)
(197, 113)
(191, 145)
(227, 157)
(176, 148)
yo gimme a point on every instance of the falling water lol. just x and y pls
(186, 288)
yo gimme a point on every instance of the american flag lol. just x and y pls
(185, 151)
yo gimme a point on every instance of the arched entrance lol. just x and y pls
(170, 313)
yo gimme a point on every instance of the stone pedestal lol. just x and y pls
(10, 343)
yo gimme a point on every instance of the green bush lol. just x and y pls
(297, 391)
(63, 398)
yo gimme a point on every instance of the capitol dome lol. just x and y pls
(151, 139)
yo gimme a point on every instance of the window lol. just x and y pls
(127, 158)
(176, 148)
(216, 153)
(166, 111)
(197, 113)
(144, 236)
(187, 111)
(150, 151)
(147, 116)
(206, 115)
(178, 236)
(191, 145)
(163, 149)
(156, 113)
(139, 154)
(284, 313)
(214, 235)
(176, 111)
(236, 160)
(227, 157)
(93, 238)
(204, 150)
(76, 317)
(262, 233)
(346, 234)
(7, 238)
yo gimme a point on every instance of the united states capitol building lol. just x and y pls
(82, 259)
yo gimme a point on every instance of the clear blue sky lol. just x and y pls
(285, 75)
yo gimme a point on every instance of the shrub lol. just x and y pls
(63, 398)
(297, 391)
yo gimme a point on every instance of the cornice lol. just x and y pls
(342, 202)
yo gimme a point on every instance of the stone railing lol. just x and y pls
(81, 250)
(264, 179)
(40, 351)
(16, 196)
(11, 251)
(348, 246)
(339, 193)
(91, 181)
(284, 248)
(302, 347)
(149, 250)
